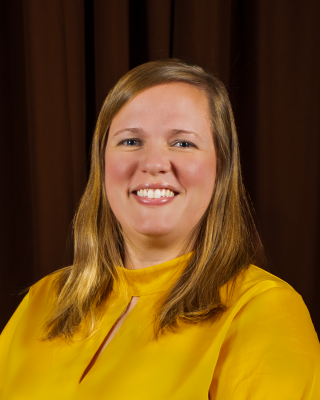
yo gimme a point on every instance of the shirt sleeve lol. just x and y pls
(271, 352)
(7, 334)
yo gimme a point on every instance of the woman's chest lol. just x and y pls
(133, 364)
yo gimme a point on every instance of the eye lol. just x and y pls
(183, 143)
(131, 142)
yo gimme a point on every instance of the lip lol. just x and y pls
(156, 186)
(154, 202)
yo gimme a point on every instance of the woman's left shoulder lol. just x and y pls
(271, 347)
(264, 298)
(257, 280)
(254, 281)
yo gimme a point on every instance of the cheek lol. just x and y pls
(199, 176)
(117, 173)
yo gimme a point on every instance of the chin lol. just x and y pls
(155, 233)
(153, 230)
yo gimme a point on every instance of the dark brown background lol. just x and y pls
(59, 58)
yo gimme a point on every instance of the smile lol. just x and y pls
(154, 197)
(155, 193)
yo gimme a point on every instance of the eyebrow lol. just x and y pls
(173, 132)
(133, 130)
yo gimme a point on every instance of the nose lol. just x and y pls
(155, 160)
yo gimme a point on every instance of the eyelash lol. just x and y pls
(138, 140)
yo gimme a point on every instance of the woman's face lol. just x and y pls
(160, 162)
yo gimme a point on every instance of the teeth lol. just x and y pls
(155, 193)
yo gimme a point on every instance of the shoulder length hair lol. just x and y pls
(224, 241)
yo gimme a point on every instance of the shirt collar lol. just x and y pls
(150, 280)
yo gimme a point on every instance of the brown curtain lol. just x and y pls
(60, 58)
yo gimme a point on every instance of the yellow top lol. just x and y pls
(263, 347)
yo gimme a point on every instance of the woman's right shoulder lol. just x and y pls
(35, 305)
(43, 287)
(43, 294)
(28, 317)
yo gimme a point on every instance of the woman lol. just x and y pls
(162, 301)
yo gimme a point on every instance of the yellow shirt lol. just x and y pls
(263, 347)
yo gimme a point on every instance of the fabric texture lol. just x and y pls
(263, 347)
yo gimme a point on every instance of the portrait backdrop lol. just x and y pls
(59, 59)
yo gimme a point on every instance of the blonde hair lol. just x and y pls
(224, 241)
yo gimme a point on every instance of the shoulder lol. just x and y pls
(257, 280)
(44, 285)
(38, 303)
(270, 345)
(263, 305)
(29, 315)
(269, 310)
(41, 294)
(253, 282)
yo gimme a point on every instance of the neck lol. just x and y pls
(151, 252)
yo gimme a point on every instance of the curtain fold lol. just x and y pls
(55, 103)
(287, 167)
(111, 44)
(202, 33)
(43, 140)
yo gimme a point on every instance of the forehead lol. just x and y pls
(170, 103)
